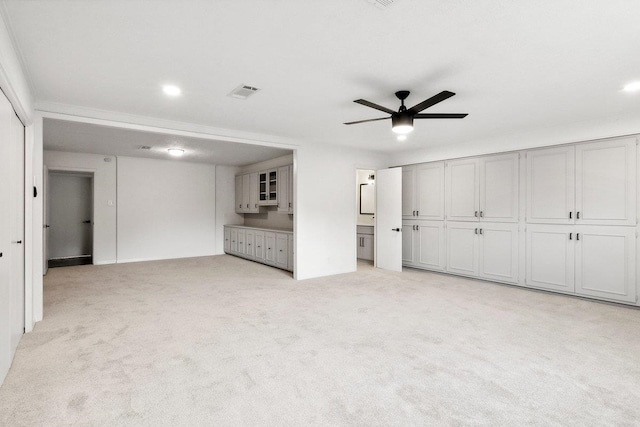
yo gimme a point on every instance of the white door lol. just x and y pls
(283, 189)
(550, 257)
(430, 245)
(239, 206)
(17, 188)
(430, 191)
(389, 219)
(234, 240)
(282, 255)
(227, 239)
(408, 243)
(242, 236)
(499, 252)
(606, 182)
(253, 192)
(5, 236)
(606, 262)
(250, 248)
(270, 247)
(259, 245)
(45, 220)
(408, 192)
(550, 186)
(499, 188)
(246, 192)
(462, 190)
(462, 248)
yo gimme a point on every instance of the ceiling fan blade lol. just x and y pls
(364, 121)
(440, 116)
(445, 94)
(372, 105)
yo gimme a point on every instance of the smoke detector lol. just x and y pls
(243, 91)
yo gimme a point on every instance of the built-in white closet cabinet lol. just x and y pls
(285, 189)
(268, 188)
(247, 193)
(578, 227)
(266, 246)
(483, 189)
(423, 191)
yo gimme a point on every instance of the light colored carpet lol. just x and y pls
(221, 341)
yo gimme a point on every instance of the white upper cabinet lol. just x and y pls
(239, 205)
(499, 188)
(483, 189)
(253, 193)
(550, 186)
(606, 262)
(408, 192)
(429, 194)
(284, 204)
(463, 191)
(606, 182)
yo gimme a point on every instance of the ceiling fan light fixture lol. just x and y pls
(176, 152)
(402, 123)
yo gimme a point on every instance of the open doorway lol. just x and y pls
(366, 206)
(69, 222)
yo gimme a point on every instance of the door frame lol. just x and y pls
(356, 190)
(85, 172)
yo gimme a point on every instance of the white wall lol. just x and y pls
(166, 209)
(362, 177)
(225, 203)
(325, 206)
(13, 79)
(104, 187)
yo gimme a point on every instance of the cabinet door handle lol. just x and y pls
(570, 214)
(418, 227)
(570, 236)
(240, 206)
(476, 231)
(476, 214)
(256, 205)
(247, 205)
(289, 204)
(577, 236)
(578, 215)
(417, 213)
(481, 231)
(395, 229)
(481, 214)
(414, 213)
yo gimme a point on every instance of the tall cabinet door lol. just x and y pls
(430, 245)
(606, 262)
(408, 192)
(499, 252)
(227, 239)
(233, 233)
(270, 248)
(239, 205)
(242, 240)
(429, 189)
(408, 243)
(283, 189)
(253, 193)
(249, 244)
(462, 248)
(606, 182)
(499, 188)
(259, 245)
(550, 186)
(462, 190)
(290, 255)
(550, 257)
(282, 252)
(246, 189)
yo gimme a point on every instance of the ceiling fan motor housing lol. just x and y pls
(402, 122)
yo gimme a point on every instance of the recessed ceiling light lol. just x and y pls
(632, 87)
(171, 90)
(176, 152)
(402, 137)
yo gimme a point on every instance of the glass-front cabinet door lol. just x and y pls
(268, 187)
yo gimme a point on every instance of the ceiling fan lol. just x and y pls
(402, 120)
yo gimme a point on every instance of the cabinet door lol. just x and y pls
(259, 251)
(430, 245)
(408, 243)
(408, 192)
(290, 261)
(282, 253)
(499, 252)
(245, 193)
(263, 191)
(291, 190)
(227, 239)
(273, 186)
(550, 186)
(499, 188)
(462, 248)
(606, 262)
(367, 247)
(253, 193)
(429, 191)
(550, 257)
(606, 182)
(249, 244)
(239, 205)
(234, 240)
(242, 236)
(283, 189)
(462, 192)
(270, 248)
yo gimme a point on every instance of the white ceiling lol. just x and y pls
(63, 135)
(515, 65)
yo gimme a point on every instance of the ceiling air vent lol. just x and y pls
(381, 4)
(144, 147)
(243, 92)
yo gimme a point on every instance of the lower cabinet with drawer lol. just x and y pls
(271, 247)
